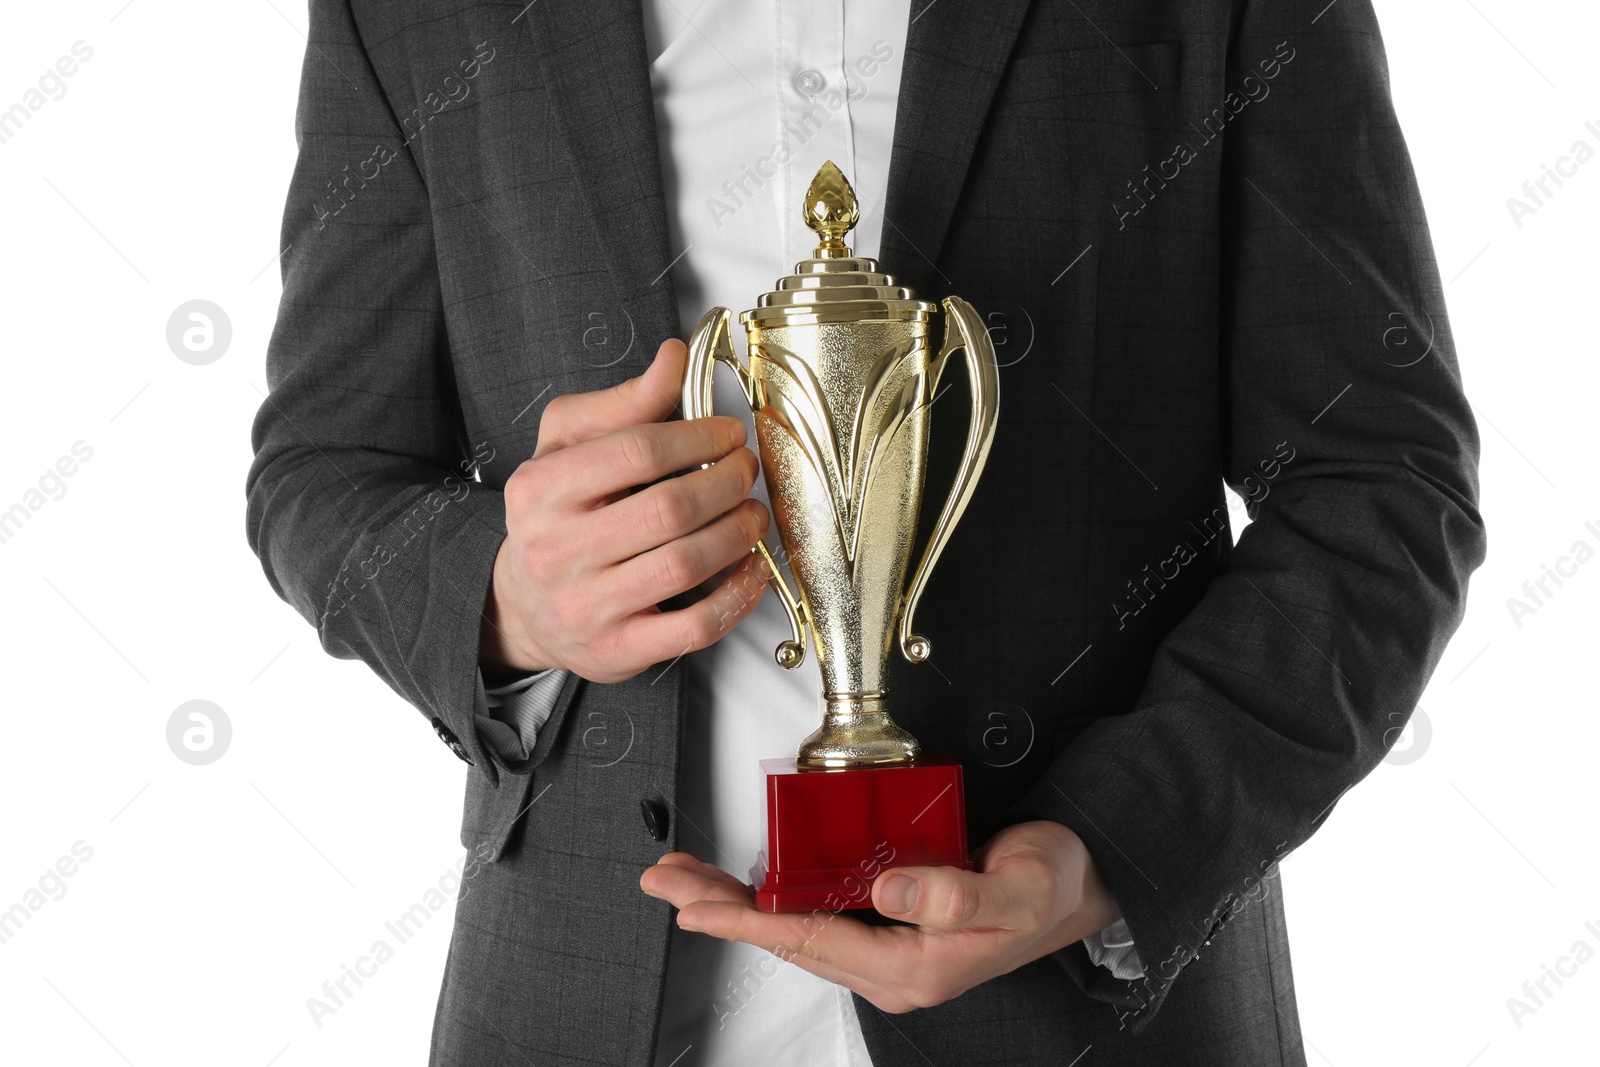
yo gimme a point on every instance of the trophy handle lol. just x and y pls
(963, 329)
(709, 345)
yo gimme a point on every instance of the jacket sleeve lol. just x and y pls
(515, 714)
(362, 503)
(1289, 679)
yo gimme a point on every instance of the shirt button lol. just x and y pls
(809, 82)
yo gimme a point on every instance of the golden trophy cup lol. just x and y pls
(841, 380)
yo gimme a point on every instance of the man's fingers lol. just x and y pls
(711, 900)
(674, 882)
(577, 417)
(662, 636)
(597, 470)
(871, 960)
(710, 870)
(837, 949)
(949, 898)
(685, 562)
(681, 565)
(817, 936)
(575, 514)
(672, 508)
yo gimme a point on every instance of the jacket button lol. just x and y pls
(452, 742)
(655, 817)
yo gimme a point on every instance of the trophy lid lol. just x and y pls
(834, 285)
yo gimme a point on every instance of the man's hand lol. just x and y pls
(1036, 890)
(586, 560)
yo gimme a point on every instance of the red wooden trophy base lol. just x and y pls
(829, 832)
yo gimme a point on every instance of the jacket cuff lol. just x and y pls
(513, 714)
(1118, 810)
(1113, 949)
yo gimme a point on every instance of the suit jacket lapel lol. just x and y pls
(955, 53)
(598, 77)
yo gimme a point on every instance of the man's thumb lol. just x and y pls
(654, 394)
(928, 896)
(578, 417)
(947, 898)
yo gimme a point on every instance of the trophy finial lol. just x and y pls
(831, 210)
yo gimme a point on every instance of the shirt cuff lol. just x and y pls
(1113, 949)
(517, 711)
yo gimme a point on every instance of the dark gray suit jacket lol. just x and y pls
(1199, 223)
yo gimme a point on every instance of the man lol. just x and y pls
(1193, 226)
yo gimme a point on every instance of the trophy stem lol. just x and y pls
(857, 731)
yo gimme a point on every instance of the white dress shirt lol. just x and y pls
(751, 98)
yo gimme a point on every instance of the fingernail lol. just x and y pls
(687, 924)
(899, 893)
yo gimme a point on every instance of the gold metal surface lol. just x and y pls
(963, 330)
(709, 344)
(840, 382)
(831, 210)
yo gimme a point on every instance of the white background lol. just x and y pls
(219, 898)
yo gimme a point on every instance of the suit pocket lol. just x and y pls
(1041, 77)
